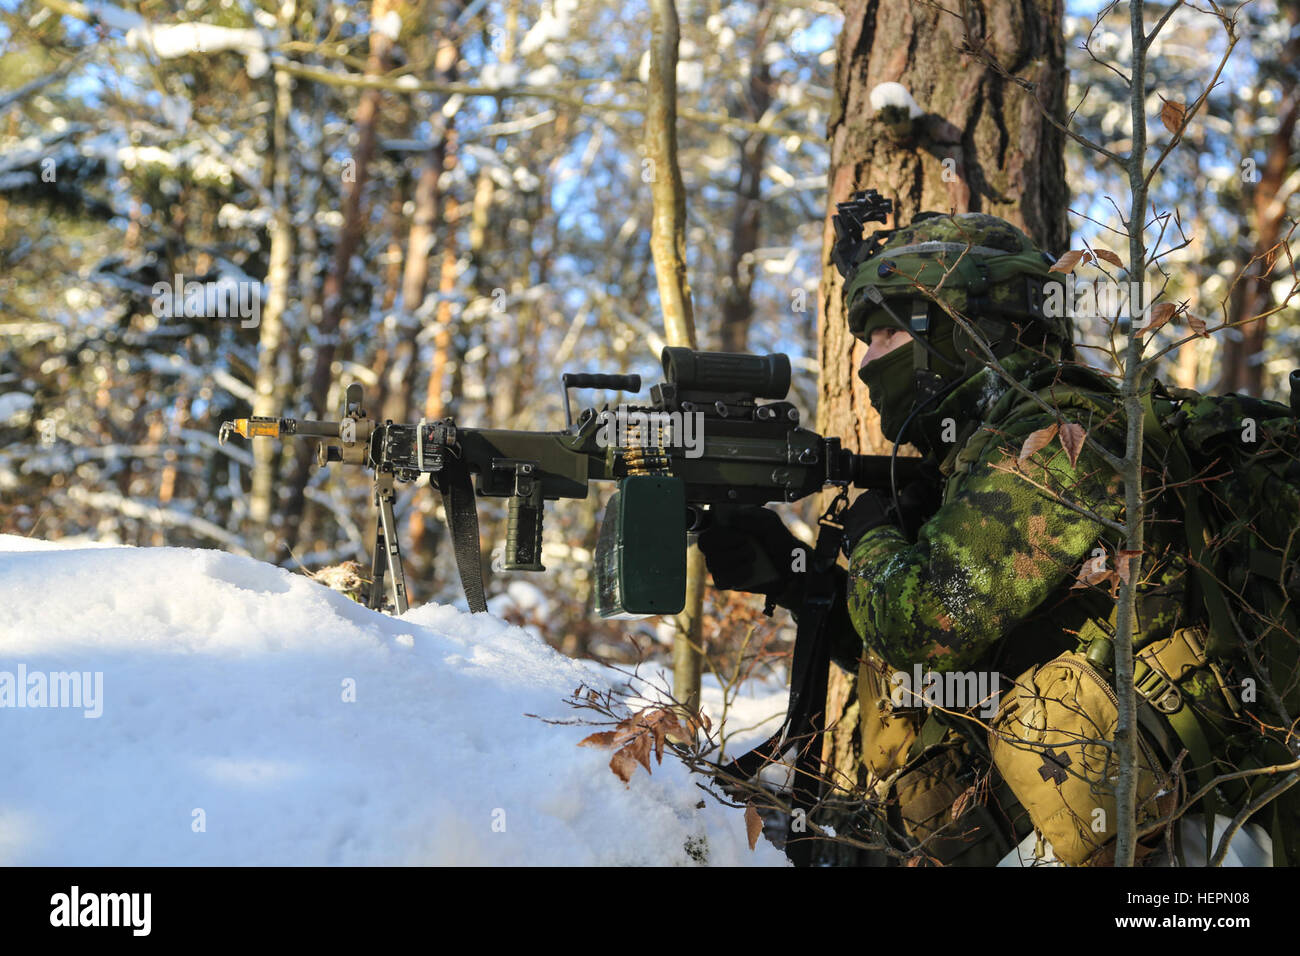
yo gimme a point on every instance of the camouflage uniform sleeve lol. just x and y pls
(987, 558)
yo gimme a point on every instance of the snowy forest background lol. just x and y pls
(449, 202)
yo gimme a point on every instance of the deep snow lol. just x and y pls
(226, 736)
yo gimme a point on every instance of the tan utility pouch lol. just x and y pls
(1040, 744)
(887, 731)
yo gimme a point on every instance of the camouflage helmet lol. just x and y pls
(992, 274)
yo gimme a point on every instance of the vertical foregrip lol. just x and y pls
(524, 532)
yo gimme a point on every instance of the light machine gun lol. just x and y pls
(718, 431)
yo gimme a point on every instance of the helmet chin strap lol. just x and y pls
(918, 328)
(917, 407)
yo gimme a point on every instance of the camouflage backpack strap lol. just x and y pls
(1182, 720)
(1179, 464)
(1162, 713)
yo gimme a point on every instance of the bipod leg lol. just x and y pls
(386, 560)
(378, 562)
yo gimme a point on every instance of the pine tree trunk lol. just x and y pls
(1243, 367)
(979, 145)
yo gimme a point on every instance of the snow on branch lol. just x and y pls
(169, 41)
(158, 515)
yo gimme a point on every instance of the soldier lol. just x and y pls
(992, 569)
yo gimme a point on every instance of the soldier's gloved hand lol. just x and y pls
(748, 548)
(917, 502)
(871, 509)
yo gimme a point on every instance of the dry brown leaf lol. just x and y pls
(1093, 572)
(639, 747)
(1126, 559)
(666, 717)
(1160, 313)
(694, 724)
(666, 723)
(1113, 581)
(637, 735)
(1109, 256)
(1070, 259)
(1072, 437)
(1197, 325)
(1111, 578)
(753, 825)
(628, 726)
(1038, 440)
(623, 764)
(1172, 114)
(964, 799)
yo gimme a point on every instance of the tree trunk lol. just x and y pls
(979, 145)
(446, 313)
(1243, 355)
(353, 214)
(737, 301)
(668, 247)
(434, 211)
(271, 332)
(367, 117)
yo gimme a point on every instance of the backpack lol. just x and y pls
(1242, 522)
(1225, 471)
(1233, 463)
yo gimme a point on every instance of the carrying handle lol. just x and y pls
(620, 383)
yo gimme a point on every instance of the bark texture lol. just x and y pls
(1243, 353)
(978, 144)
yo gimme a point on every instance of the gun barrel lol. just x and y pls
(873, 471)
(311, 428)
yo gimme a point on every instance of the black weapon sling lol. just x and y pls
(457, 489)
(805, 716)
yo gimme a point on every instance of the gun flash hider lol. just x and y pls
(259, 427)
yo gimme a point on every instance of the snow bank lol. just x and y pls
(250, 716)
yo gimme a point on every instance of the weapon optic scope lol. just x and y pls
(762, 376)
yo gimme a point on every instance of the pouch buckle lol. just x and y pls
(1158, 690)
